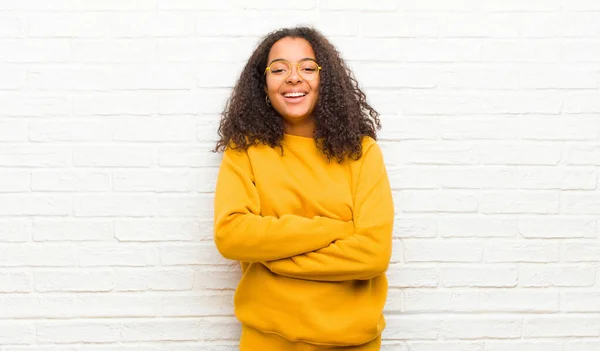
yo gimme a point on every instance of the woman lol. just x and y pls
(303, 200)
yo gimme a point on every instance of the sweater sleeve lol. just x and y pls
(242, 234)
(365, 254)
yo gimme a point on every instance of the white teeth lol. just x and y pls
(294, 94)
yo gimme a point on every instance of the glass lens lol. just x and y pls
(280, 68)
(308, 69)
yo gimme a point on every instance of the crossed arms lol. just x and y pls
(318, 248)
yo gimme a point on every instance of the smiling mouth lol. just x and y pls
(294, 95)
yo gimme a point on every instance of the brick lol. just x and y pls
(579, 203)
(37, 5)
(581, 345)
(206, 101)
(573, 325)
(79, 25)
(15, 230)
(114, 205)
(558, 77)
(205, 253)
(478, 276)
(77, 331)
(521, 50)
(148, 24)
(436, 201)
(103, 255)
(424, 128)
(386, 5)
(63, 229)
(521, 251)
(113, 51)
(256, 23)
(142, 230)
(478, 128)
(465, 226)
(216, 278)
(35, 156)
(34, 205)
(556, 178)
(161, 129)
(207, 179)
(223, 49)
(398, 25)
(393, 75)
(424, 250)
(519, 301)
(11, 26)
(70, 181)
(510, 102)
(26, 255)
(414, 177)
(142, 279)
(338, 23)
(443, 50)
(17, 333)
(444, 345)
(581, 102)
(114, 156)
(18, 105)
(394, 302)
(529, 345)
(581, 50)
(75, 131)
(582, 154)
(35, 50)
(110, 104)
(441, 153)
(476, 327)
(213, 303)
(186, 206)
(193, 5)
(115, 5)
(11, 282)
(439, 103)
(482, 25)
(436, 300)
(546, 275)
(406, 226)
(51, 79)
(581, 251)
(153, 181)
(477, 177)
(73, 281)
(13, 76)
(557, 227)
(14, 181)
(412, 327)
(519, 202)
(580, 301)
(405, 276)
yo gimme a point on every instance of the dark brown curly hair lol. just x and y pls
(342, 115)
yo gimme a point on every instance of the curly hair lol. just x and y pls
(342, 115)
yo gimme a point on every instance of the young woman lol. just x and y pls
(303, 200)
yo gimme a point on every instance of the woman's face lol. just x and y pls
(293, 96)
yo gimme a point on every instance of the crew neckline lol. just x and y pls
(299, 137)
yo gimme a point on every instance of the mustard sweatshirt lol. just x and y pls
(314, 240)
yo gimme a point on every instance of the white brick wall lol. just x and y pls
(491, 114)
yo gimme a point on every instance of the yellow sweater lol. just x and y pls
(314, 239)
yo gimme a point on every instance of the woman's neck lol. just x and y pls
(304, 129)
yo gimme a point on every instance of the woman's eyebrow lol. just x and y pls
(282, 59)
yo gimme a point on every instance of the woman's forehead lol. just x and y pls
(291, 49)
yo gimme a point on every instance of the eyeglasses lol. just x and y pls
(308, 69)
